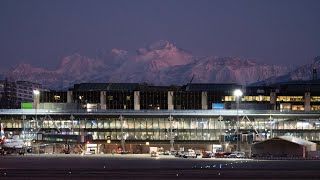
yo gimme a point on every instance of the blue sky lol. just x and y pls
(275, 31)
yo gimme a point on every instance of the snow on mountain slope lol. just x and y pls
(304, 72)
(161, 63)
(226, 70)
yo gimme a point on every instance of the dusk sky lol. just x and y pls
(41, 32)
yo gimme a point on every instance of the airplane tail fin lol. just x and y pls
(3, 137)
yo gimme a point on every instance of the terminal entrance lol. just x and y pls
(92, 149)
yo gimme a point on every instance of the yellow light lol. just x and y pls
(147, 143)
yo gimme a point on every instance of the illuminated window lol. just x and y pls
(110, 98)
(56, 98)
(290, 98)
(315, 99)
(230, 98)
(315, 107)
(302, 125)
(297, 108)
(256, 98)
(248, 98)
(285, 107)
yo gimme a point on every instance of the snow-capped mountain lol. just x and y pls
(304, 73)
(161, 63)
(227, 70)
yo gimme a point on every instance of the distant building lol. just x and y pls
(288, 96)
(8, 96)
(25, 90)
(12, 94)
(143, 96)
(167, 116)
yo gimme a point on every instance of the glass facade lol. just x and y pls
(193, 129)
(154, 100)
(187, 100)
(53, 97)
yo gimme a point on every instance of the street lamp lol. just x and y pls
(36, 96)
(238, 93)
(35, 101)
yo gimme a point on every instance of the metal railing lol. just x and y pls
(158, 112)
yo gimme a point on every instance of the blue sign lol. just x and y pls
(217, 106)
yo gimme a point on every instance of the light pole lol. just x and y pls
(122, 135)
(35, 101)
(271, 124)
(171, 134)
(36, 96)
(238, 93)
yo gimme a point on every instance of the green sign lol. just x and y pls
(26, 105)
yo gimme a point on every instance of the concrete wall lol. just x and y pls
(307, 98)
(136, 100)
(204, 100)
(273, 100)
(70, 97)
(103, 99)
(170, 100)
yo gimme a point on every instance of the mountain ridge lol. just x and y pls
(160, 63)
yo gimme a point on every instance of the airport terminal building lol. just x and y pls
(108, 117)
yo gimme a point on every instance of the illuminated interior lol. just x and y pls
(315, 108)
(315, 99)
(297, 107)
(290, 98)
(248, 98)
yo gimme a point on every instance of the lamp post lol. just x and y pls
(35, 101)
(271, 124)
(122, 135)
(238, 93)
(36, 96)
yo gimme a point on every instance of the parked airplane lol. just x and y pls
(11, 145)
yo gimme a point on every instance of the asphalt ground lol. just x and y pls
(130, 166)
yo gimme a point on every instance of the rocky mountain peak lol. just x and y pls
(118, 53)
(160, 63)
(162, 44)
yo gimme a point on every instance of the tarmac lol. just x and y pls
(143, 166)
